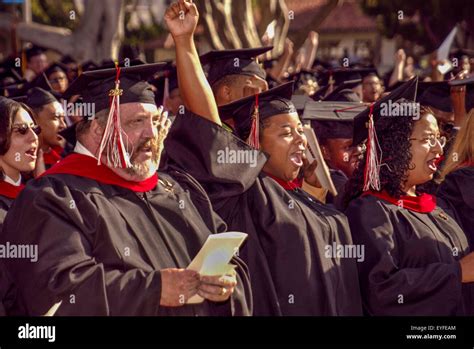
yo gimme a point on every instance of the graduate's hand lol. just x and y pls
(467, 268)
(40, 167)
(177, 286)
(217, 288)
(309, 172)
(182, 17)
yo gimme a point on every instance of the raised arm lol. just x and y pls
(182, 17)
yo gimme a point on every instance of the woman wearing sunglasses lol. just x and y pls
(417, 259)
(18, 150)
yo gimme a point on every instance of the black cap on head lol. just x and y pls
(436, 94)
(406, 92)
(233, 62)
(469, 82)
(34, 51)
(38, 97)
(170, 76)
(271, 102)
(340, 75)
(10, 76)
(344, 92)
(332, 119)
(94, 85)
(22, 89)
(55, 67)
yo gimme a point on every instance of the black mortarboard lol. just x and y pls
(339, 75)
(319, 94)
(34, 51)
(271, 102)
(94, 85)
(332, 119)
(167, 82)
(22, 89)
(38, 97)
(436, 94)
(67, 59)
(344, 92)
(56, 67)
(88, 65)
(233, 62)
(9, 75)
(469, 82)
(406, 91)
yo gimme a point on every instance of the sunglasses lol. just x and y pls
(22, 129)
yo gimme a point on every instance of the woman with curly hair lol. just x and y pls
(18, 147)
(417, 259)
(457, 177)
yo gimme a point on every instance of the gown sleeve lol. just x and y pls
(387, 286)
(225, 165)
(64, 226)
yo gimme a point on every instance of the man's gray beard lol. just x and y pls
(142, 170)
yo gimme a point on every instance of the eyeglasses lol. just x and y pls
(22, 129)
(57, 80)
(432, 140)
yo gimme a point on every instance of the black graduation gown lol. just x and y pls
(100, 247)
(288, 230)
(409, 267)
(458, 190)
(6, 290)
(340, 180)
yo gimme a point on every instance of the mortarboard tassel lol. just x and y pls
(372, 162)
(166, 88)
(112, 141)
(253, 138)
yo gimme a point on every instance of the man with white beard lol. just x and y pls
(113, 235)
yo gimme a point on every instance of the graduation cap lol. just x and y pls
(67, 60)
(22, 89)
(344, 92)
(88, 65)
(249, 111)
(339, 75)
(38, 97)
(370, 122)
(436, 94)
(167, 82)
(469, 82)
(233, 62)
(108, 88)
(56, 67)
(94, 85)
(34, 51)
(10, 76)
(332, 119)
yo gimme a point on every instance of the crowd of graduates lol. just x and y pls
(112, 171)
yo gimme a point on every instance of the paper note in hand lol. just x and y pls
(215, 255)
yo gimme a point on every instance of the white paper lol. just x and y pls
(215, 255)
(443, 52)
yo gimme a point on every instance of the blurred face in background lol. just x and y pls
(58, 81)
(371, 88)
(38, 63)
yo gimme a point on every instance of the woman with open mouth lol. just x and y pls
(290, 232)
(18, 147)
(457, 176)
(417, 257)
